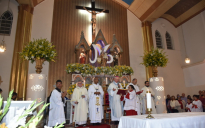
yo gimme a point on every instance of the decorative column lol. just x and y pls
(36, 87)
(19, 71)
(147, 43)
(157, 84)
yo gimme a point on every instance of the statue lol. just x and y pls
(93, 20)
(116, 57)
(104, 57)
(82, 57)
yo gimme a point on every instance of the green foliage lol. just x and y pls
(88, 70)
(155, 57)
(39, 49)
(6, 109)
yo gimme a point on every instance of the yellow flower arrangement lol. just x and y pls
(155, 57)
(39, 49)
(88, 70)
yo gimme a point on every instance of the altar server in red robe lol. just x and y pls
(130, 106)
(197, 104)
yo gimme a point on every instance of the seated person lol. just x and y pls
(197, 104)
(174, 104)
(14, 96)
(189, 105)
(182, 103)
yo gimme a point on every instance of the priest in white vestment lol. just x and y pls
(116, 105)
(95, 93)
(80, 101)
(138, 92)
(56, 111)
(144, 100)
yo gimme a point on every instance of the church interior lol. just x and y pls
(129, 27)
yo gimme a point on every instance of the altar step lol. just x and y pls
(91, 126)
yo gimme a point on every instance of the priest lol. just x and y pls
(144, 100)
(138, 92)
(79, 100)
(95, 93)
(116, 104)
(56, 110)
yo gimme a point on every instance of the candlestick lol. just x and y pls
(149, 113)
(148, 95)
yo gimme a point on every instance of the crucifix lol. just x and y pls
(94, 11)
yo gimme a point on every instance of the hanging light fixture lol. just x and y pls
(2, 46)
(187, 60)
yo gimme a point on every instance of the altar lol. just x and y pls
(171, 120)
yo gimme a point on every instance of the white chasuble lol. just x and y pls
(144, 100)
(95, 103)
(116, 105)
(56, 111)
(138, 99)
(81, 109)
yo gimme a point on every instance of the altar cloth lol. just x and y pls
(168, 120)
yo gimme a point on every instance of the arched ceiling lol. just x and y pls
(175, 11)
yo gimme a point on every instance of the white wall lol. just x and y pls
(172, 73)
(194, 37)
(135, 38)
(41, 28)
(6, 57)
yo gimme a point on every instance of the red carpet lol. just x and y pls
(97, 126)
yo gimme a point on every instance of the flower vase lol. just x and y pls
(154, 71)
(39, 63)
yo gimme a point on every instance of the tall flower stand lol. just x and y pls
(157, 84)
(36, 87)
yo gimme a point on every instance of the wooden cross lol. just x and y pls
(94, 11)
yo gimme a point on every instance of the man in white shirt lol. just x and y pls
(116, 104)
(144, 100)
(95, 93)
(79, 100)
(56, 111)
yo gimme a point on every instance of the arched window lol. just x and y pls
(169, 41)
(6, 20)
(158, 39)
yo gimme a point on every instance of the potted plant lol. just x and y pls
(155, 58)
(39, 50)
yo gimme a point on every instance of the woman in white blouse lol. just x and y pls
(174, 104)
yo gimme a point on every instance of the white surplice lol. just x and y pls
(116, 105)
(56, 112)
(144, 100)
(95, 103)
(81, 109)
(130, 103)
(197, 107)
(138, 101)
(189, 106)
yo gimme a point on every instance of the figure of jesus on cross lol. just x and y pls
(94, 11)
(93, 20)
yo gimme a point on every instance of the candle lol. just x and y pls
(84, 83)
(148, 95)
(124, 82)
(106, 80)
